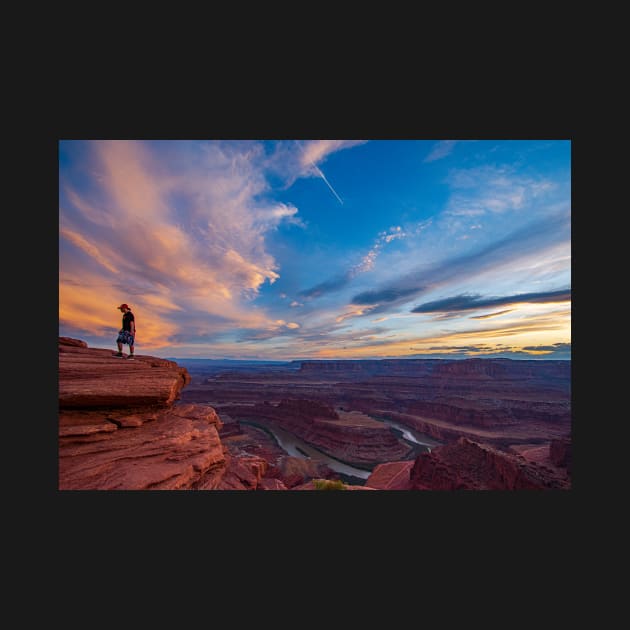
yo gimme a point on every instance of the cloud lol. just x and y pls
(277, 329)
(367, 261)
(387, 294)
(492, 189)
(328, 286)
(292, 159)
(440, 150)
(165, 234)
(91, 250)
(316, 151)
(467, 302)
(489, 315)
(559, 351)
(355, 312)
(532, 239)
(488, 338)
(556, 347)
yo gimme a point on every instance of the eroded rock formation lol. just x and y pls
(355, 439)
(468, 465)
(120, 427)
(123, 425)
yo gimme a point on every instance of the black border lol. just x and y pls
(440, 522)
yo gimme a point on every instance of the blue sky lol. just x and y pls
(297, 249)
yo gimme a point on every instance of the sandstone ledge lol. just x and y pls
(121, 427)
(92, 377)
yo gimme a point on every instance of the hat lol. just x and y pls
(123, 306)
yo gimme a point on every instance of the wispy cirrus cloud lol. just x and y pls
(89, 248)
(492, 189)
(366, 262)
(532, 239)
(440, 150)
(167, 238)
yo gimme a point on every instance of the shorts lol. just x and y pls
(124, 336)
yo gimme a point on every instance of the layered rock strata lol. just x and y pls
(468, 465)
(122, 426)
(359, 442)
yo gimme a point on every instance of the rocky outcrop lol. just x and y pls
(468, 465)
(122, 427)
(65, 342)
(243, 473)
(92, 377)
(169, 449)
(294, 471)
(391, 476)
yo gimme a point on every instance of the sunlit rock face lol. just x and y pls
(122, 427)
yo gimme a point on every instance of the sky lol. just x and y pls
(318, 249)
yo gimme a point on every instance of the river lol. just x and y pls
(297, 447)
(412, 436)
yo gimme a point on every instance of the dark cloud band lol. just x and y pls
(473, 302)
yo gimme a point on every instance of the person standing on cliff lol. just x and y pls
(127, 334)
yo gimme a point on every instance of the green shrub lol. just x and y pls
(329, 484)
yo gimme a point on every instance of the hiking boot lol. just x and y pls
(118, 355)
(130, 357)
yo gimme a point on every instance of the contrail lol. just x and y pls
(327, 182)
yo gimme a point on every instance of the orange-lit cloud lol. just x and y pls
(90, 249)
(130, 243)
(543, 328)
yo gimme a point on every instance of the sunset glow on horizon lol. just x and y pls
(318, 249)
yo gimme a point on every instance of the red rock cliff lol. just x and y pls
(121, 429)
(468, 465)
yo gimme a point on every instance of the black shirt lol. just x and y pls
(127, 319)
